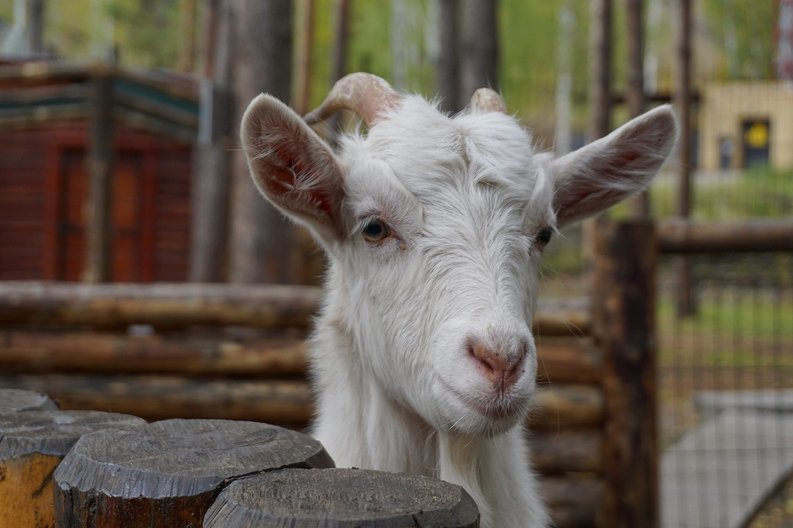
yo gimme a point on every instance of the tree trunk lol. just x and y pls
(448, 55)
(564, 79)
(305, 57)
(99, 215)
(600, 69)
(686, 303)
(35, 14)
(600, 49)
(480, 46)
(634, 96)
(210, 201)
(262, 240)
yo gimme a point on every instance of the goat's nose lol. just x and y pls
(501, 364)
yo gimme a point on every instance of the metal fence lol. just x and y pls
(726, 391)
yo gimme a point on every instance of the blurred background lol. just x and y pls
(119, 162)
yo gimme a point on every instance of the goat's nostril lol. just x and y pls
(498, 365)
(494, 364)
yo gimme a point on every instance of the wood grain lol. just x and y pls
(168, 473)
(343, 498)
(32, 443)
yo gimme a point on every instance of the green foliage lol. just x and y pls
(148, 29)
(744, 32)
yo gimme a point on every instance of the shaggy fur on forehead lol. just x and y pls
(470, 150)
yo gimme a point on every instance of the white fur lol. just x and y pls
(465, 198)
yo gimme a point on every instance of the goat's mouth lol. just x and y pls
(501, 406)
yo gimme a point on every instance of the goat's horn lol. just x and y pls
(365, 94)
(487, 100)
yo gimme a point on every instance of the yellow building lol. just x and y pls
(746, 123)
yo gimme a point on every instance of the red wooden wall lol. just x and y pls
(43, 188)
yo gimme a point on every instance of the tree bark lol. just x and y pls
(686, 302)
(99, 221)
(211, 183)
(640, 205)
(262, 240)
(449, 55)
(564, 79)
(305, 57)
(480, 46)
(35, 14)
(600, 68)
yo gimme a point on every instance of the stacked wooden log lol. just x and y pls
(80, 469)
(237, 352)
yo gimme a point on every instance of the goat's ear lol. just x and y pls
(613, 168)
(292, 167)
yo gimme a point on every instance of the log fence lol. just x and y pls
(195, 351)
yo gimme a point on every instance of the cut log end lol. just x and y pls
(176, 467)
(15, 400)
(53, 432)
(32, 443)
(344, 498)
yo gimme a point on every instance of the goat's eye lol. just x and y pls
(375, 231)
(544, 235)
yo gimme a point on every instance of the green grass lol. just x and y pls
(755, 193)
(742, 331)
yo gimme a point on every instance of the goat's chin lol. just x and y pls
(461, 416)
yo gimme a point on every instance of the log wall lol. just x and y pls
(223, 352)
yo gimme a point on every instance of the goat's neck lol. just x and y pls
(361, 426)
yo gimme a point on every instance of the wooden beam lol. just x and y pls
(281, 402)
(286, 402)
(179, 305)
(755, 236)
(34, 352)
(162, 304)
(574, 501)
(567, 451)
(561, 406)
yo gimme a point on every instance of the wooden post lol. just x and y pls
(341, 497)
(32, 443)
(16, 400)
(100, 177)
(686, 302)
(168, 473)
(624, 326)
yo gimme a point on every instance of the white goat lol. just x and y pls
(423, 359)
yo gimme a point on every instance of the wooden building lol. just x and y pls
(746, 123)
(45, 117)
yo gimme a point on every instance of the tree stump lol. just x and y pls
(342, 498)
(168, 473)
(14, 400)
(32, 443)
